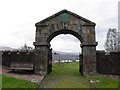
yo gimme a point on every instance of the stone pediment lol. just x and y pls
(64, 16)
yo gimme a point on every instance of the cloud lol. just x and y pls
(67, 37)
(18, 18)
(119, 16)
(66, 43)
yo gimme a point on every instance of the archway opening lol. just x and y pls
(65, 54)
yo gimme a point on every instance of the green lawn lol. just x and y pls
(65, 76)
(105, 82)
(9, 82)
(0, 81)
(62, 76)
(68, 76)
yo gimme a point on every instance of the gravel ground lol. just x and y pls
(22, 74)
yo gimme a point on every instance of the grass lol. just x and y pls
(105, 82)
(9, 82)
(68, 76)
(0, 81)
(65, 76)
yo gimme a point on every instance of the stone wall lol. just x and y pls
(108, 63)
(17, 57)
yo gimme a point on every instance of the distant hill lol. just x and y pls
(70, 53)
(58, 55)
(3, 48)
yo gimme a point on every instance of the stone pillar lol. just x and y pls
(50, 61)
(89, 59)
(81, 64)
(41, 59)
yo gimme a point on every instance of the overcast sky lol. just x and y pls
(18, 18)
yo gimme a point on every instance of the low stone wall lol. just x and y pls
(17, 57)
(108, 63)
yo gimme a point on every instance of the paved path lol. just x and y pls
(25, 75)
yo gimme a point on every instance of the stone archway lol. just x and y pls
(65, 22)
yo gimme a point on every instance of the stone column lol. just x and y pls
(81, 64)
(50, 61)
(89, 59)
(41, 59)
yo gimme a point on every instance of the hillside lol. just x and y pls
(58, 55)
(3, 48)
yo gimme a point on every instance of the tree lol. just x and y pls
(118, 41)
(111, 43)
(25, 47)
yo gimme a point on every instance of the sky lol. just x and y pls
(18, 18)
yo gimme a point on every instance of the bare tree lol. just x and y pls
(111, 43)
(25, 47)
(118, 41)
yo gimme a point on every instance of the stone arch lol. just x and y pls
(65, 22)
